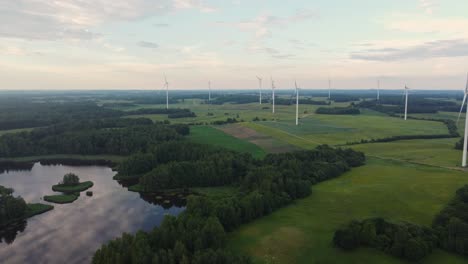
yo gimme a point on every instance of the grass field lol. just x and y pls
(437, 152)
(213, 136)
(302, 232)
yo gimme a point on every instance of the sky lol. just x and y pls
(132, 44)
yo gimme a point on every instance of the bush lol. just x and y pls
(70, 179)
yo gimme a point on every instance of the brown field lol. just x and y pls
(267, 143)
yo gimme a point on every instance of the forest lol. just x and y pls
(417, 105)
(199, 233)
(338, 111)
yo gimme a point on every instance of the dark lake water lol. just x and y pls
(71, 233)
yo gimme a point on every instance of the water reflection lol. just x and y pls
(72, 232)
(8, 233)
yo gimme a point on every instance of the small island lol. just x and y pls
(61, 198)
(71, 184)
(70, 188)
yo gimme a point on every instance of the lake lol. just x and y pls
(71, 233)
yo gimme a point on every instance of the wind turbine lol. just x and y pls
(378, 90)
(465, 140)
(273, 93)
(166, 84)
(260, 88)
(329, 88)
(209, 90)
(297, 103)
(406, 101)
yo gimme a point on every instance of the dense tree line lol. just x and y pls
(402, 240)
(154, 100)
(338, 111)
(235, 99)
(157, 111)
(117, 141)
(198, 234)
(343, 98)
(451, 223)
(118, 105)
(395, 105)
(11, 208)
(24, 113)
(228, 120)
(302, 101)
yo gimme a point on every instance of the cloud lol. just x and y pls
(427, 6)
(147, 44)
(74, 19)
(431, 49)
(161, 25)
(411, 23)
(194, 4)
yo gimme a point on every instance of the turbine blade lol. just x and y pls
(461, 109)
(466, 89)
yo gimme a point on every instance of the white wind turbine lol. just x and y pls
(297, 103)
(465, 141)
(273, 94)
(378, 90)
(406, 101)
(166, 84)
(209, 90)
(260, 88)
(329, 88)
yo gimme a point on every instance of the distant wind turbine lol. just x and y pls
(329, 88)
(378, 89)
(406, 101)
(465, 140)
(297, 103)
(166, 84)
(260, 88)
(273, 94)
(209, 90)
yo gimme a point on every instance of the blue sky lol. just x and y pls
(131, 44)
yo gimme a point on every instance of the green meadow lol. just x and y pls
(213, 136)
(303, 231)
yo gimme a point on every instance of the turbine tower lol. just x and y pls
(329, 88)
(465, 140)
(378, 90)
(209, 90)
(406, 102)
(166, 84)
(297, 103)
(260, 88)
(273, 94)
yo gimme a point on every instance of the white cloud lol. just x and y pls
(427, 50)
(194, 4)
(455, 27)
(428, 6)
(148, 45)
(74, 19)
